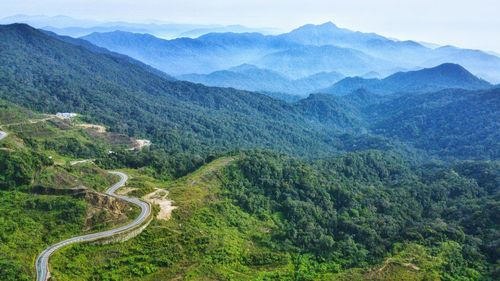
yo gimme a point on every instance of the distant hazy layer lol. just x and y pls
(303, 52)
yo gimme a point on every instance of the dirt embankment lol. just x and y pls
(103, 209)
(97, 128)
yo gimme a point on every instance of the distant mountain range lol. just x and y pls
(220, 51)
(69, 26)
(444, 76)
(53, 74)
(252, 78)
(299, 54)
(50, 73)
(397, 179)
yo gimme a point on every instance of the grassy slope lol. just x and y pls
(30, 221)
(208, 238)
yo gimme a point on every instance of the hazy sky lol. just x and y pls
(465, 23)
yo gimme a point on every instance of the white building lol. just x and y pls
(66, 115)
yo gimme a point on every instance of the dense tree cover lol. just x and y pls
(28, 223)
(314, 217)
(43, 73)
(361, 216)
(52, 74)
(19, 167)
(163, 165)
(451, 123)
(354, 208)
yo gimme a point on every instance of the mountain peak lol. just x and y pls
(325, 27)
(328, 24)
(447, 71)
(450, 68)
(17, 26)
(21, 29)
(444, 76)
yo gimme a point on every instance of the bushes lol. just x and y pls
(19, 167)
(354, 208)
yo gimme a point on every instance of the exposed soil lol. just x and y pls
(159, 197)
(97, 128)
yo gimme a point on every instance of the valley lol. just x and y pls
(165, 151)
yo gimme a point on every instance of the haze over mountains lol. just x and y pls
(64, 25)
(71, 75)
(441, 77)
(213, 52)
(304, 52)
(252, 78)
(319, 154)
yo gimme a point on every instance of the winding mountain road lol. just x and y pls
(42, 261)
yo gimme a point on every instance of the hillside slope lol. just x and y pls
(441, 77)
(252, 78)
(262, 216)
(44, 73)
(465, 124)
(50, 75)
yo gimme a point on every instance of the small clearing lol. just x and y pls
(140, 144)
(159, 197)
(98, 128)
(76, 162)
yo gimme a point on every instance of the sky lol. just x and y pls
(464, 23)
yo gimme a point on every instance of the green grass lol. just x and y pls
(28, 223)
(10, 113)
(207, 238)
(30, 220)
(210, 238)
(77, 176)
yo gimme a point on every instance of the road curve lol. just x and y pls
(2, 135)
(42, 261)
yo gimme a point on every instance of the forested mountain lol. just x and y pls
(351, 217)
(50, 75)
(441, 77)
(446, 122)
(348, 210)
(208, 53)
(333, 112)
(398, 179)
(449, 123)
(95, 49)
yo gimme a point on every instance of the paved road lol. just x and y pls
(2, 135)
(42, 261)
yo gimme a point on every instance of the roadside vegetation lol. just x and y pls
(263, 216)
(254, 215)
(43, 198)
